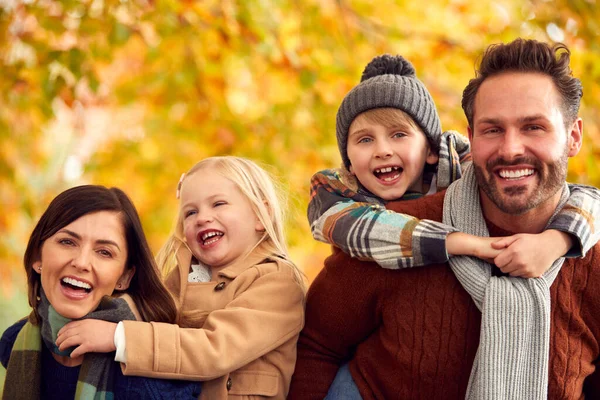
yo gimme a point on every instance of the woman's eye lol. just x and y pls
(105, 253)
(66, 242)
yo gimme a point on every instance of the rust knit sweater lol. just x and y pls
(413, 333)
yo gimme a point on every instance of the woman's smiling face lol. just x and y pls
(83, 262)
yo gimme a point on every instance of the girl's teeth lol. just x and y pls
(207, 242)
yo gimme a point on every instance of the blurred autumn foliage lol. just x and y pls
(133, 93)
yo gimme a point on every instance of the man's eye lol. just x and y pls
(491, 131)
(534, 128)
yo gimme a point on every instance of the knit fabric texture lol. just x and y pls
(512, 358)
(394, 86)
(97, 371)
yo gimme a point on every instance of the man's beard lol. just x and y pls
(513, 200)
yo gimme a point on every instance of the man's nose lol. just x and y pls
(512, 145)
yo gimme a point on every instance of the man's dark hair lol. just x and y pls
(526, 55)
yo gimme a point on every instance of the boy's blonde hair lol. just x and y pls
(390, 118)
(258, 187)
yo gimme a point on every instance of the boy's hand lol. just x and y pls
(531, 255)
(460, 243)
(89, 335)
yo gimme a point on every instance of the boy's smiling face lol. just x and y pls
(388, 155)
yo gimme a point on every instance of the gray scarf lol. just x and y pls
(512, 358)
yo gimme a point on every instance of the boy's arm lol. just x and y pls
(579, 217)
(364, 229)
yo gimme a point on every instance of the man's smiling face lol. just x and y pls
(520, 144)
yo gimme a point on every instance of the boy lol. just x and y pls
(390, 140)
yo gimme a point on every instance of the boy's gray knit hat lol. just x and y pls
(388, 81)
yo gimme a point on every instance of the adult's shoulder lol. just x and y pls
(428, 207)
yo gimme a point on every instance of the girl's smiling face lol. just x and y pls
(219, 224)
(83, 262)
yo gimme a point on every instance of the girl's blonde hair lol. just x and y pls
(258, 187)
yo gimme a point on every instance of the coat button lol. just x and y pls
(228, 384)
(220, 286)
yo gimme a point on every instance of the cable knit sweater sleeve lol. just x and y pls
(341, 312)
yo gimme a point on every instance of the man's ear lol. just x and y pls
(575, 138)
(470, 133)
(125, 279)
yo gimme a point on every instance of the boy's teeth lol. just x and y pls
(76, 283)
(510, 174)
(391, 178)
(387, 169)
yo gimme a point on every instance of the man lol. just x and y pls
(415, 333)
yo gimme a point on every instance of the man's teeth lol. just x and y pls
(387, 169)
(76, 283)
(513, 174)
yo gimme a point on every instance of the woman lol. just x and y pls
(86, 258)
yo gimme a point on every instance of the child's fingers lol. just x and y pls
(79, 351)
(504, 242)
(67, 327)
(68, 342)
(502, 260)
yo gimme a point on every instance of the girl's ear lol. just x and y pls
(125, 279)
(259, 227)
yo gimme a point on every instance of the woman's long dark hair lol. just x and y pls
(152, 299)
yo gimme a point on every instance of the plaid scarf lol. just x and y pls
(96, 375)
(512, 357)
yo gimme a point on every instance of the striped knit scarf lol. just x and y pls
(23, 375)
(512, 358)
(454, 150)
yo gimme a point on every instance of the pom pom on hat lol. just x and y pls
(388, 65)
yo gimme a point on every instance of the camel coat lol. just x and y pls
(243, 340)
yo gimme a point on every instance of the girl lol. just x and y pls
(86, 258)
(241, 297)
